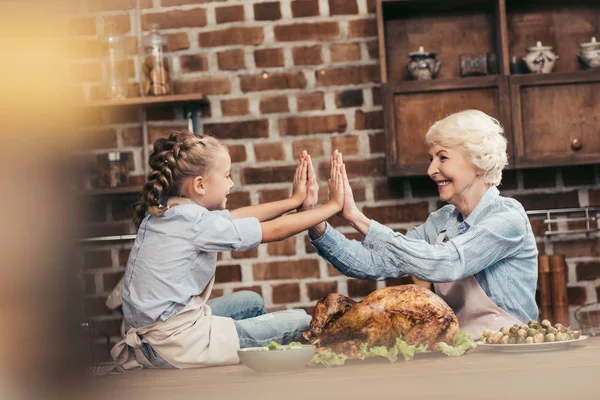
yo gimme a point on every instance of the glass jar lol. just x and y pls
(113, 169)
(155, 65)
(114, 66)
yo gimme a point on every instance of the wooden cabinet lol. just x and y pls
(549, 119)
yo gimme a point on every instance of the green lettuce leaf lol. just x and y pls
(462, 343)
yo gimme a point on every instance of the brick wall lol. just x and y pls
(281, 76)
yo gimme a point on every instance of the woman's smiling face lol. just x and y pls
(458, 180)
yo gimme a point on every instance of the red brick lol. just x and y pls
(237, 200)
(391, 188)
(307, 32)
(85, 72)
(216, 293)
(362, 28)
(398, 213)
(177, 41)
(267, 58)
(557, 200)
(331, 271)
(89, 284)
(307, 55)
(111, 279)
(238, 130)
(231, 107)
(207, 86)
(250, 253)
(373, 49)
(124, 257)
(174, 19)
(169, 3)
(121, 23)
(255, 289)
(314, 147)
(576, 295)
(295, 126)
(82, 26)
(269, 11)
(269, 195)
(594, 197)
(286, 247)
(539, 178)
(228, 273)
(162, 131)
(268, 174)
(360, 288)
(270, 151)
(193, 63)
(310, 101)
(308, 248)
(98, 139)
(368, 120)
(349, 98)
(348, 76)
(587, 271)
(229, 14)
(343, 7)
(305, 8)
(232, 37)
(377, 142)
(274, 81)
(357, 168)
(402, 280)
(318, 290)
(371, 6)
(344, 52)
(115, 5)
(274, 104)
(95, 306)
(113, 229)
(231, 60)
(345, 144)
(297, 269)
(237, 153)
(123, 115)
(286, 293)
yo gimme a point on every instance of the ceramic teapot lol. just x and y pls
(540, 59)
(423, 65)
(589, 55)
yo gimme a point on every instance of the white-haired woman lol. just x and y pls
(479, 250)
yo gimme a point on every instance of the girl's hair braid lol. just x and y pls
(183, 155)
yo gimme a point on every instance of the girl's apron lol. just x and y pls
(474, 310)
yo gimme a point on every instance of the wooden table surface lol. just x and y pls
(570, 373)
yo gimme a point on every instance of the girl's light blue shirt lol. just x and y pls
(174, 257)
(495, 243)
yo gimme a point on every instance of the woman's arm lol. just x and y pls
(268, 211)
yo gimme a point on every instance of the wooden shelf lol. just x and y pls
(474, 82)
(589, 75)
(149, 101)
(119, 191)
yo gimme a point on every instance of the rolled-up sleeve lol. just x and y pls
(218, 232)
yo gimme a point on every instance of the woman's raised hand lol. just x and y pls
(312, 195)
(350, 210)
(336, 183)
(300, 188)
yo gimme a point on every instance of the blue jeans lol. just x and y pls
(254, 326)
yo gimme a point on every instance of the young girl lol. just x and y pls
(182, 225)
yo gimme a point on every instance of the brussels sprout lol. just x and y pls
(522, 332)
(524, 326)
(533, 324)
(576, 334)
(496, 338)
(552, 329)
(546, 323)
(488, 332)
(531, 332)
(560, 336)
(529, 340)
(549, 337)
(542, 331)
(514, 329)
(538, 338)
(505, 330)
(513, 340)
(504, 339)
(521, 340)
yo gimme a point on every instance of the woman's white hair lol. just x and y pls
(479, 135)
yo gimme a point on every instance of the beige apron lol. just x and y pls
(474, 310)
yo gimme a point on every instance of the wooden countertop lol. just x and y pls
(572, 373)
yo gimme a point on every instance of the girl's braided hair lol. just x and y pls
(182, 155)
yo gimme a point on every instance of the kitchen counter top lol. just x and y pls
(573, 372)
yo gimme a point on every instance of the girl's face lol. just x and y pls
(459, 182)
(218, 183)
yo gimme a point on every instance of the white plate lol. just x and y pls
(262, 359)
(527, 347)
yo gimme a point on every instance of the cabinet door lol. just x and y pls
(556, 119)
(412, 108)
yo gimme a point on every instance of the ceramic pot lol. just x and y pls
(540, 59)
(423, 65)
(589, 55)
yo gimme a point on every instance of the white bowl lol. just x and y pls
(262, 359)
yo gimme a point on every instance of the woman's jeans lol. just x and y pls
(254, 326)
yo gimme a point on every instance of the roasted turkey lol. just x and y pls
(410, 311)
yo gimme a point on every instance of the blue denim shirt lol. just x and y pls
(495, 243)
(174, 257)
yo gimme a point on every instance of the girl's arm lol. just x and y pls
(268, 211)
(289, 225)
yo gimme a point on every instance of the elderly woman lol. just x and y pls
(479, 250)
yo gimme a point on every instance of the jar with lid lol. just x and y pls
(114, 169)
(114, 65)
(155, 65)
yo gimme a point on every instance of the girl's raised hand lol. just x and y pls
(336, 184)
(312, 195)
(300, 187)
